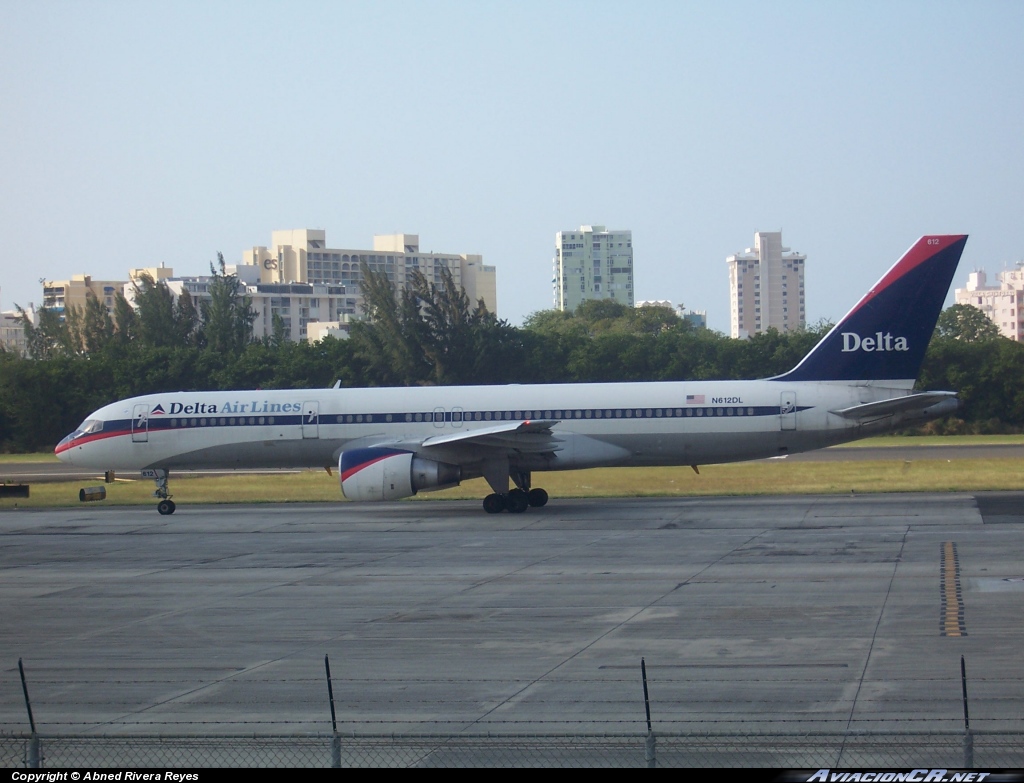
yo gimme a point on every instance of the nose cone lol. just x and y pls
(63, 450)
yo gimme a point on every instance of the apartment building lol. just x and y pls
(766, 287)
(302, 256)
(1002, 303)
(592, 262)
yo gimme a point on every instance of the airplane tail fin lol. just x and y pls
(884, 337)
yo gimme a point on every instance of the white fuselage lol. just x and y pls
(668, 423)
(392, 443)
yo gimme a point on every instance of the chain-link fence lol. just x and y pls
(791, 751)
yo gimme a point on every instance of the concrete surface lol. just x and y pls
(778, 614)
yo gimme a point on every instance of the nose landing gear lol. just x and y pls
(166, 506)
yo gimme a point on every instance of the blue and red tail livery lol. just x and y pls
(885, 335)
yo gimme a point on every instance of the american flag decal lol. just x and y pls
(694, 399)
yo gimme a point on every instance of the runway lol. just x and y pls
(752, 614)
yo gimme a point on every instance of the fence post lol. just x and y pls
(33, 759)
(336, 751)
(335, 739)
(968, 737)
(649, 755)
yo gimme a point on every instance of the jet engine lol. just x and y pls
(389, 474)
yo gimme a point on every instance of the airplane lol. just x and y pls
(392, 443)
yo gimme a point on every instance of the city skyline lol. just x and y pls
(138, 135)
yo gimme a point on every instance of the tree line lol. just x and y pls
(429, 333)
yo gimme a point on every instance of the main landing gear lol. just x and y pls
(517, 500)
(166, 506)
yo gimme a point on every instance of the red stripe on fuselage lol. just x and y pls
(81, 440)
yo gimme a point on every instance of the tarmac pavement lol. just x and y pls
(752, 614)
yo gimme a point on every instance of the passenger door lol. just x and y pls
(140, 423)
(311, 419)
(787, 411)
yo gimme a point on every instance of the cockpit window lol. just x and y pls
(90, 426)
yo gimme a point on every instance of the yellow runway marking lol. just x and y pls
(951, 615)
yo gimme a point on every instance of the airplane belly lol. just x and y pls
(663, 449)
(582, 451)
(253, 454)
(684, 449)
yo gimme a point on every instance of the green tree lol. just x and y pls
(427, 333)
(126, 321)
(186, 319)
(386, 341)
(154, 303)
(552, 322)
(655, 319)
(228, 315)
(600, 315)
(613, 356)
(96, 328)
(965, 322)
(49, 337)
(279, 333)
(41, 401)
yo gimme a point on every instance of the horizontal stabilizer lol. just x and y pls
(902, 405)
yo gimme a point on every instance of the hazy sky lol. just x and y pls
(138, 133)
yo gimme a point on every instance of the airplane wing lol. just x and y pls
(396, 469)
(522, 436)
(912, 403)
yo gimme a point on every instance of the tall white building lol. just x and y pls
(302, 256)
(766, 287)
(592, 263)
(1003, 303)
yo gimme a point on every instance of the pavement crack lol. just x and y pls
(874, 638)
(613, 628)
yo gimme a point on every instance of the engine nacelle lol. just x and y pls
(390, 474)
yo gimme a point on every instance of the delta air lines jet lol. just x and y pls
(390, 443)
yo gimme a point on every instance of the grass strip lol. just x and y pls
(770, 477)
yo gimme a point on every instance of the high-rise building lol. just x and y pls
(61, 295)
(1003, 303)
(592, 263)
(302, 256)
(766, 287)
